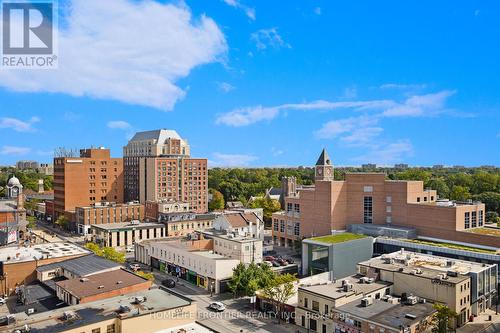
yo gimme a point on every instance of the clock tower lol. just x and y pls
(324, 167)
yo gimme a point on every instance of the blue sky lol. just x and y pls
(267, 83)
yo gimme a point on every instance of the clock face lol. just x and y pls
(320, 171)
(328, 172)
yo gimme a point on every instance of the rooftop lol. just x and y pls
(425, 265)
(100, 283)
(127, 225)
(338, 238)
(387, 314)
(334, 289)
(159, 135)
(82, 266)
(93, 312)
(449, 245)
(221, 234)
(15, 254)
(8, 205)
(486, 231)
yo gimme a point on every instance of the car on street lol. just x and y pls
(290, 261)
(269, 258)
(217, 306)
(3, 301)
(134, 267)
(275, 264)
(169, 283)
(282, 262)
(268, 263)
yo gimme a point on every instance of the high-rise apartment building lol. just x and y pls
(156, 143)
(92, 178)
(158, 167)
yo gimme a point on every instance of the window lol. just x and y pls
(315, 305)
(324, 328)
(368, 189)
(289, 207)
(432, 198)
(297, 229)
(481, 218)
(388, 199)
(467, 220)
(474, 219)
(96, 330)
(275, 225)
(306, 302)
(110, 328)
(388, 209)
(313, 325)
(368, 210)
(388, 219)
(326, 308)
(418, 199)
(282, 226)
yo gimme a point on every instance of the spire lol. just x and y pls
(324, 159)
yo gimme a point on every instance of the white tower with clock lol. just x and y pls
(14, 188)
(324, 167)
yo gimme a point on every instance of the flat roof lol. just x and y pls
(221, 234)
(89, 313)
(82, 266)
(338, 238)
(8, 205)
(13, 254)
(430, 266)
(100, 283)
(334, 289)
(127, 225)
(385, 313)
(486, 231)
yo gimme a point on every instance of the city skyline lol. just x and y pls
(392, 83)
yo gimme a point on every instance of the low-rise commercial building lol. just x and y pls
(182, 224)
(100, 286)
(159, 310)
(126, 233)
(234, 246)
(316, 301)
(153, 209)
(18, 264)
(194, 261)
(240, 223)
(336, 253)
(106, 213)
(465, 287)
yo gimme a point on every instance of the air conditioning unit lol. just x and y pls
(347, 287)
(412, 300)
(367, 301)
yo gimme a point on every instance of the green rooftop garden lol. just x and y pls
(338, 238)
(450, 246)
(486, 231)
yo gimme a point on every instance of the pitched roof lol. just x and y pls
(101, 283)
(240, 220)
(324, 159)
(160, 135)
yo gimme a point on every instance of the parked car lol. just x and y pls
(217, 306)
(3, 301)
(275, 263)
(282, 262)
(134, 267)
(169, 283)
(269, 258)
(268, 263)
(290, 261)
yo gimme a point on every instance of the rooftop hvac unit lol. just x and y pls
(84, 279)
(422, 300)
(452, 273)
(135, 222)
(410, 316)
(347, 287)
(366, 280)
(412, 300)
(124, 309)
(367, 301)
(68, 315)
(393, 300)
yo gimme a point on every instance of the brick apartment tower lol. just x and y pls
(83, 181)
(158, 167)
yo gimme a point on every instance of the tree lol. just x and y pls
(106, 252)
(94, 248)
(246, 280)
(440, 186)
(459, 193)
(217, 202)
(148, 276)
(268, 205)
(442, 317)
(279, 291)
(31, 222)
(492, 217)
(62, 222)
(490, 199)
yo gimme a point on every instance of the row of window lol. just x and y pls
(473, 219)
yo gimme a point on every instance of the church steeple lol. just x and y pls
(324, 167)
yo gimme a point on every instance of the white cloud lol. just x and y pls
(225, 87)
(363, 136)
(265, 38)
(420, 105)
(335, 128)
(387, 154)
(231, 160)
(277, 152)
(249, 11)
(250, 115)
(317, 10)
(14, 150)
(119, 124)
(400, 86)
(107, 50)
(19, 125)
